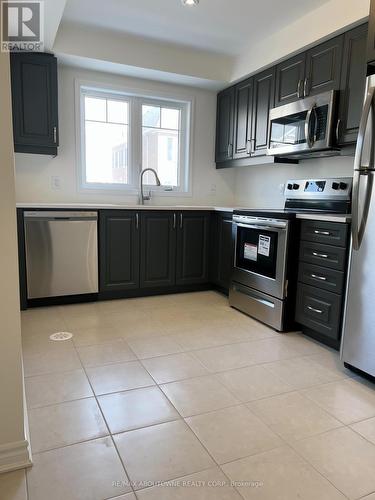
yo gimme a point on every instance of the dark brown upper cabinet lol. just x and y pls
(263, 101)
(224, 125)
(243, 98)
(34, 102)
(353, 82)
(310, 73)
(323, 67)
(290, 76)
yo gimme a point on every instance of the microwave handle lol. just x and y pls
(309, 141)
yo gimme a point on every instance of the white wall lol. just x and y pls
(13, 447)
(260, 186)
(34, 172)
(333, 16)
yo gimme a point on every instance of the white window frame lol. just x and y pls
(135, 98)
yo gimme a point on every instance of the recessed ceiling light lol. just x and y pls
(190, 2)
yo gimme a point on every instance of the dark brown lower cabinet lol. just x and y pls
(192, 247)
(322, 274)
(119, 250)
(221, 262)
(158, 249)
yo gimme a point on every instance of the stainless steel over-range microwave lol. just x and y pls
(303, 128)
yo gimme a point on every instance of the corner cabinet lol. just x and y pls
(119, 241)
(222, 254)
(34, 102)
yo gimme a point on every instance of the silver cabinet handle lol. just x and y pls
(181, 221)
(338, 125)
(174, 221)
(321, 255)
(229, 151)
(248, 146)
(299, 89)
(323, 233)
(137, 221)
(318, 311)
(306, 87)
(316, 277)
(55, 134)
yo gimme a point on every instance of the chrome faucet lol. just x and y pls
(142, 196)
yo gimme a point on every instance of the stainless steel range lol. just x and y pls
(266, 246)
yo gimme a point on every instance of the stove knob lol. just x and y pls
(290, 186)
(335, 186)
(343, 186)
(295, 186)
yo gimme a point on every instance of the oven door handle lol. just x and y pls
(260, 227)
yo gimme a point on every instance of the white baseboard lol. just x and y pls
(14, 456)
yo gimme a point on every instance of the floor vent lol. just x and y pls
(61, 336)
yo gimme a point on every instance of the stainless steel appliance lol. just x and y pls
(303, 128)
(266, 248)
(358, 346)
(61, 253)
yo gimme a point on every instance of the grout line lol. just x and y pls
(106, 423)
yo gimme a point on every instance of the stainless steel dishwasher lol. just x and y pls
(61, 253)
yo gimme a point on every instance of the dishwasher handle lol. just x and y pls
(60, 215)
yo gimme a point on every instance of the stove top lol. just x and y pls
(313, 196)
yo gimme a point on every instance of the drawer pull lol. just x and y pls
(318, 311)
(323, 233)
(316, 277)
(321, 255)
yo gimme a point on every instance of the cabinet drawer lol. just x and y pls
(321, 277)
(319, 310)
(328, 233)
(323, 255)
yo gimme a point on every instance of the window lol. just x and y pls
(121, 134)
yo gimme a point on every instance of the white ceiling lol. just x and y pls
(223, 26)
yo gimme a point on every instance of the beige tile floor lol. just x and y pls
(181, 397)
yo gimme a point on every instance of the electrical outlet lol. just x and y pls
(282, 188)
(55, 182)
(213, 189)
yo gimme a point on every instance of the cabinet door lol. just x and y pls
(192, 248)
(242, 119)
(158, 249)
(222, 250)
(263, 101)
(34, 98)
(119, 250)
(224, 125)
(323, 67)
(353, 82)
(290, 76)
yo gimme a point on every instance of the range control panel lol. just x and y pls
(335, 188)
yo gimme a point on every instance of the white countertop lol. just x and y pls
(108, 206)
(102, 206)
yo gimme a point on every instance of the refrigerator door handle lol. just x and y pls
(358, 226)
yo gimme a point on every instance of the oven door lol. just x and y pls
(302, 126)
(261, 255)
